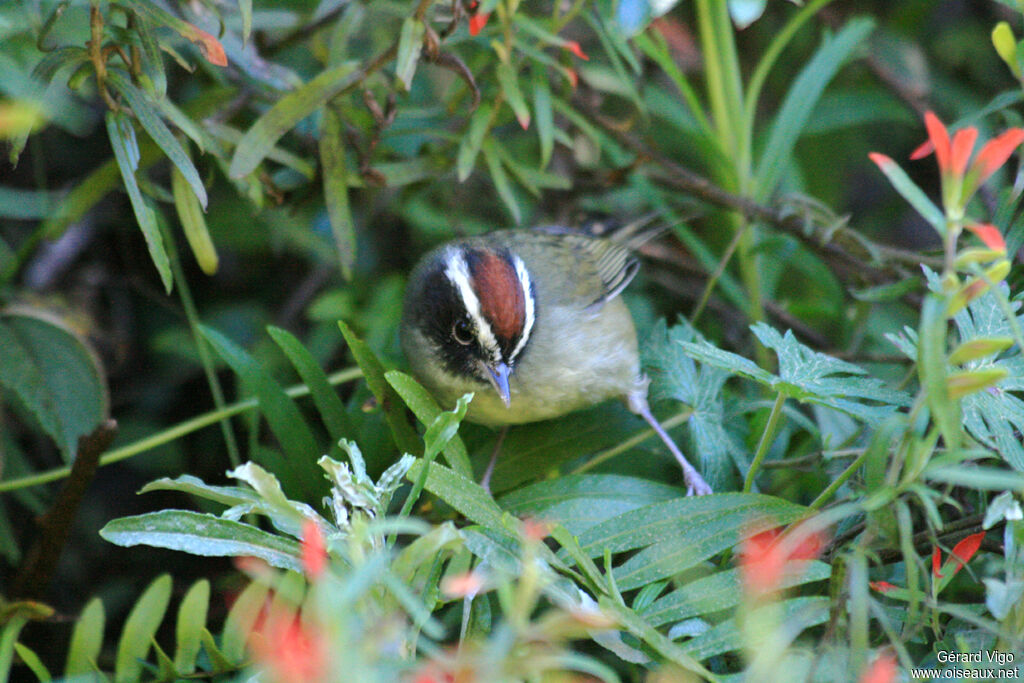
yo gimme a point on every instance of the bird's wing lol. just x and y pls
(615, 264)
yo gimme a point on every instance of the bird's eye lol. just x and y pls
(462, 332)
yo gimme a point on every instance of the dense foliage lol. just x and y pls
(207, 213)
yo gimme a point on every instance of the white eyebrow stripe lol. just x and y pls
(457, 272)
(529, 313)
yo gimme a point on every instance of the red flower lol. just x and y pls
(961, 555)
(965, 549)
(535, 529)
(882, 586)
(960, 181)
(882, 670)
(314, 550)
(765, 555)
(574, 47)
(290, 651)
(477, 22)
(989, 234)
(464, 585)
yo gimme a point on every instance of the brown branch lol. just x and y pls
(37, 568)
(851, 253)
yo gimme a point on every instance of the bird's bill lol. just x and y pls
(498, 374)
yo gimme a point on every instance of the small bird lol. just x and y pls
(531, 322)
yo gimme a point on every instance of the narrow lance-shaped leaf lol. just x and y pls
(426, 410)
(193, 223)
(335, 172)
(126, 152)
(544, 115)
(402, 432)
(140, 629)
(799, 103)
(203, 534)
(328, 403)
(469, 146)
(500, 179)
(410, 45)
(931, 369)
(191, 622)
(301, 476)
(509, 81)
(286, 113)
(86, 640)
(245, 9)
(149, 118)
(209, 47)
(909, 190)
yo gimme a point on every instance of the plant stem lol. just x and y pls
(839, 481)
(766, 440)
(205, 359)
(170, 434)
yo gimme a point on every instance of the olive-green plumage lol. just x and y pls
(582, 349)
(531, 323)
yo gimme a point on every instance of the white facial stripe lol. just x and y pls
(457, 272)
(528, 318)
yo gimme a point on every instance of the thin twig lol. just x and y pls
(40, 561)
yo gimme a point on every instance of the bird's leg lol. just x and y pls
(486, 480)
(637, 402)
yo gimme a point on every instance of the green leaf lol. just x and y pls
(287, 112)
(509, 82)
(543, 114)
(30, 659)
(126, 151)
(335, 172)
(402, 432)
(797, 614)
(426, 410)
(674, 520)
(245, 9)
(241, 620)
(193, 223)
(463, 494)
(579, 501)
(708, 531)
(500, 179)
(186, 483)
(86, 640)
(327, 401)
(976, 477)
(443, 427)
(147, 115)
(809, 376)
(153, 75)
(675, 376)
(932, 369)
(191, 622)
(469, 145)
(800, 102)
(54, 375)
(283, 416)
(636, 625)
(719, 592)
(909, 190)
(203, 534)
(140, 629)
(410, 45)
